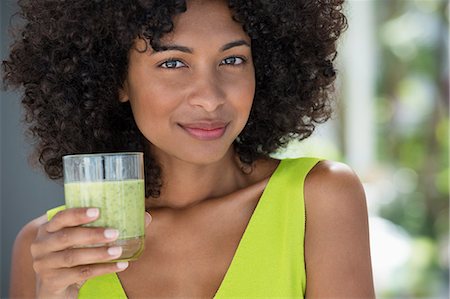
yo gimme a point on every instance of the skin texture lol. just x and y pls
(207, 197)
(71, 57)
(202, 87)
(337, 253)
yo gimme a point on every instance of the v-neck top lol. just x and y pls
(269, 259)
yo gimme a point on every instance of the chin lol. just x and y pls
(195, 152)
(205, 158)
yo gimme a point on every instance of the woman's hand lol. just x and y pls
(61, 267)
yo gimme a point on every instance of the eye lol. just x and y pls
(172, 64)
(233, 60)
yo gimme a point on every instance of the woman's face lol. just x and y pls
(192, 99)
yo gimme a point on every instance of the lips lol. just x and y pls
(205, 130)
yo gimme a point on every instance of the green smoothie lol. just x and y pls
(121, 204)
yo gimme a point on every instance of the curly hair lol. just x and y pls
(72, 58)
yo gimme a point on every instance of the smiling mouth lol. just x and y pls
(205, 132)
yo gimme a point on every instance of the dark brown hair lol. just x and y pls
(71, 59)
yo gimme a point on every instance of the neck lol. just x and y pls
(186, 184)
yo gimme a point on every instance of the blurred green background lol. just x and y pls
(392, 126)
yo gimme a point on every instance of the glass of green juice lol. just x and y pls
(114, 183)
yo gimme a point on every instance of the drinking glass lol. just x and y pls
(113, 183)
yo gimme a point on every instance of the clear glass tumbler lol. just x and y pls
(114, 183)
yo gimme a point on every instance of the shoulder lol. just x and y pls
(333, 183)
(22, 282)
(29, 231)
(335, 200)
(25, 237)
(337, 251)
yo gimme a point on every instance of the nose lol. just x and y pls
(207, 92)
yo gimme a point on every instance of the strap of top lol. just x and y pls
(269, 261)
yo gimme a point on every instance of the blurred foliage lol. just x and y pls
(413, 134)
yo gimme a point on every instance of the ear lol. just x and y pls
(123, 92)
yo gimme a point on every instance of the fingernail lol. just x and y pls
(122, 265)
(111, 233)
(148, 218)
(115, 251)
(92, 212)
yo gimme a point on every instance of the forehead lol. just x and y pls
(210, 19)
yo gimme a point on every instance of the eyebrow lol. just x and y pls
(237, 43)
(225, 47)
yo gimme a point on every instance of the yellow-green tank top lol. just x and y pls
(269, 260)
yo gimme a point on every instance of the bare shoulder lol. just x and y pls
(30, 229)
(333, 185)
(22, 284)
(337, 252)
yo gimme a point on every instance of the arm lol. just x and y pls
(22, 279)
(337, 253)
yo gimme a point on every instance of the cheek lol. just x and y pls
(152, 106)
(243, 94)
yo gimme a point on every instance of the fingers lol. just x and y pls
(148, 219)
(77, 256)
(71, 217)
(64, 277)
(74, 237)
(63, 254)
(64, 231)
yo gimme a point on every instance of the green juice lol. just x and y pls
(122, 206)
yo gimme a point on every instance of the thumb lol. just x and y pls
(148, 219)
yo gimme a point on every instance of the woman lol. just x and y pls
(207, 90)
